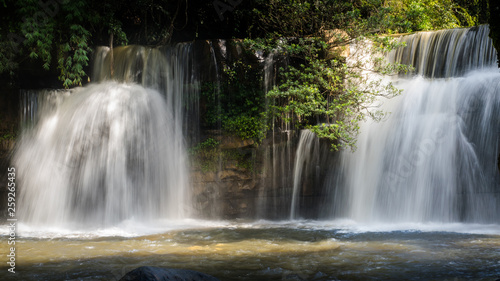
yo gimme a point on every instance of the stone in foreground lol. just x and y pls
(152, 273)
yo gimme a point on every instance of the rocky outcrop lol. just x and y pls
(152, 273)
(225, 180)
(235, 180)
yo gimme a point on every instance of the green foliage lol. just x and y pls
(209, 157)
(331, 96)
(247, 126)
(57, 34)
(38, 31)
(73, 57)
(60, 29)
(400, 16)
(60, 37)
(237, 103)
(208, 144)
(301, 18)
(8, 136)
(319, 89)
(8, 63)
(478, 10)
(206, 154)
(73, 48)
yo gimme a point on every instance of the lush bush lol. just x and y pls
(400, 16)
(236, 103)
(60, 34)
(319, 89)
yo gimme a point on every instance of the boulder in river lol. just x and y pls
(152, 273)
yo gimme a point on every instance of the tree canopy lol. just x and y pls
(317, 87)
(59, 35)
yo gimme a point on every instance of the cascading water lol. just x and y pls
(434, 159)
(111, 151)
(169, 70)
(279, 196)
(306, 163)
(446, 53)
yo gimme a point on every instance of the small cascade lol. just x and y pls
(221, 44)
(435, 157)
(446, 53)
(276, 191)
(32, 103)
(294, 162)
(29, 107)
(269, 72)
(214, 207)
(274, 198)
(306, 166)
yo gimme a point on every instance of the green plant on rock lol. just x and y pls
(206, 155)
(242, 160)
(8, 136)
(247, 126)
(237, 104)
(208, 144)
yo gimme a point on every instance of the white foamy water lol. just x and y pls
(435, 157)
(104, 154)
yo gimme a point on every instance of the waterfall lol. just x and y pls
(113, 150)
(446, 53)
(171, 70)
(32, 103)
(269, 72)
(435, 157)
(306, 164)
(274, 199)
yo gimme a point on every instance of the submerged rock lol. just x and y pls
(152, 273)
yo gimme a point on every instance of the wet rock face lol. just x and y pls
(227, 185)
(152, 273)
(225, 177)
(235, 180)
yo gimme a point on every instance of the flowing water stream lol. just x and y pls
(104, 186)
(298, 250)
